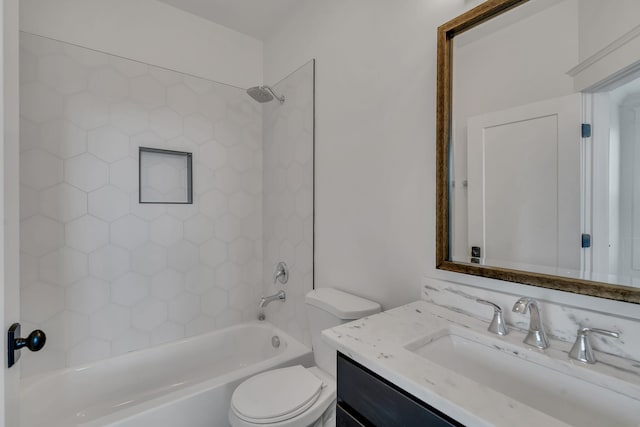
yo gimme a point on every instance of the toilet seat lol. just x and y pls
(294, 396)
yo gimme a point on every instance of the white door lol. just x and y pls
(9, 206)
(524, 185)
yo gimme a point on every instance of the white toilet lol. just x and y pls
(298, 396)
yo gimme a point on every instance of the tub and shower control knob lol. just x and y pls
(34, 342)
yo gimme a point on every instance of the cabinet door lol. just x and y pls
(345, 419)
(376, 402)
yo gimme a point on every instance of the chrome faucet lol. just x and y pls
(582, 350)
(497, 326)
(265, 301)
(536, 336)
(281, 273)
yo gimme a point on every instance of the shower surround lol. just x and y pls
(100, 273)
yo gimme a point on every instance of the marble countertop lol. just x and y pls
(378, 342)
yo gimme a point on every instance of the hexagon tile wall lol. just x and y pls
(101, 273)
(288, 198)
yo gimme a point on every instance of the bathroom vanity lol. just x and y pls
(422, 364)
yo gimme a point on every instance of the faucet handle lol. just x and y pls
(582, 350)
(497, 326)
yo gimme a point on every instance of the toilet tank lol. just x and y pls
(327, 308)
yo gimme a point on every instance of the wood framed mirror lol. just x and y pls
(520, 206)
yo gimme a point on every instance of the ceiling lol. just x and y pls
(256, 18)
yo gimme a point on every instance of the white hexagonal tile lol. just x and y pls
(167, 332)
(227, 275)
(130, 340)
(87, 295)
(149, 314)
(240, 297)
(62, 73)
(198, 229)
(165, 122)
(241, 205)
(226, 133)
(124, 175)
(241, 158)
(164, 76)
(228, 317)
(86, 172)
(167, 284)
(182, 99)
(108, 84)
(198, 128)
(213, 204)
(108, 144)
(213, 252)
(304, 257)
(40, 302)
(29, 134)
(228, 180)
(128, 67)
(129, 232)
(62, 138)
(63, 202)
(214, 302)
(108, 203)
(200, 325)
(86, 57)
(204, 179)
(28, 66)
(213, 106)
(295, 230)
(147, 211)
(64, 266)
(197, 84)
(166, 230)
(109, 262)
(29, 271)
(39, 103)
(130, 289)
(294, 177)
(110, 321)
(86, 234)
(39, 169)
(241, 250)
(147, 91)
(29, 202)
(228, 228)
(199, 279)
(183, 211)
(40, 235)
(213, 155)
(128, 117)
(251, 181)
(87, 111)
(184, 308)
(183, 256)
(149, 259)
(89, 350)
(66, 329)
(304, 203)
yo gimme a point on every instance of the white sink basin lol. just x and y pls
(503, 367)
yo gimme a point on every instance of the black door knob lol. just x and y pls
(34, 342)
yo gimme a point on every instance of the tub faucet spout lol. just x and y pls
(265, 301)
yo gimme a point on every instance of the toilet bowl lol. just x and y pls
(297, 396)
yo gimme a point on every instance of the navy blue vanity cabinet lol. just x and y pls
(368, 400)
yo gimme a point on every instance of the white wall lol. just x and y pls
(375, 149)
(375, 145)
(151, 32)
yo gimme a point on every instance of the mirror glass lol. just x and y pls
(545, 119)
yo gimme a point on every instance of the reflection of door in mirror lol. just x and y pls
(523, 186)
(618, 111)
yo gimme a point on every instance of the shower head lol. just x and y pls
(264, 94)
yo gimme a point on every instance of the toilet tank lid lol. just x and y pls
(341, 304)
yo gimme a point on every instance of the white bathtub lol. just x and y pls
(182, 384)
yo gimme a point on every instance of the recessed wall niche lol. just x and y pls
(165, 176)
